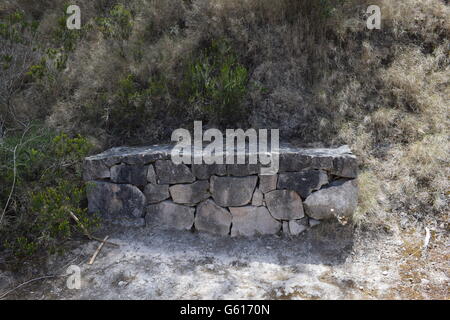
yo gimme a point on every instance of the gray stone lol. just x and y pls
(133, 155)
(346, 166)
(249, 221)
(190, 193)
(95, 170)
(258, 198)
(205, 171)
(285, 228)
(313, 222)
(330, 159)
(293, 161)
(115, 200)
(297, 226)
(291, 158)
(170, 173)
(268, 183)
(340, 199)
(212, 218)
(171, 215)
(242, 170)
(130, 174)
(156, 192)
(303, 182)
(233, 191)
(151, 175)
(284, 204)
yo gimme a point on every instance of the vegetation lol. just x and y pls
(139, 69)
(41, 186)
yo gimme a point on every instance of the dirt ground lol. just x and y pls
(329, 261)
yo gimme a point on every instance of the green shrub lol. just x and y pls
(215, 83)
(65, 37)
(14, 27)
(45, 169)
(118, 24)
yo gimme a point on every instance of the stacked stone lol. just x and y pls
(311, 185)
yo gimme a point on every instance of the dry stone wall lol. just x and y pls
(143, 183)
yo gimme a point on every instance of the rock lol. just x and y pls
(190, 194)
(170, 173)
(151, 175)
(115, 200)
(133, 155)
(268, 183)
(249, 221)
(284, 205)
(339, 161)
(340, 199)
(346, 166)
(297, 226)
(285, 228)
(258, 198)
(242, 170)
(303, 182)
(212, 218)
(233, 191)
(95, 170)
(313, 222)
(293, 161)
(171, 215)
(156, 192)
(205, 171)
(130, 174)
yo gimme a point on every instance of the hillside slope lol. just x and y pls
(139, 69)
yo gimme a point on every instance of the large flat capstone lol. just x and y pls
(310, 185)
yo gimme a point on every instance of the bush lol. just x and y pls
(17, 54)
(117, 24)
(216, 84)
(40, 184)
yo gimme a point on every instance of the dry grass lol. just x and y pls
(320, 77)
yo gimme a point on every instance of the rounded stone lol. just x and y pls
(284, 205)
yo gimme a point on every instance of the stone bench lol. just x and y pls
(143, 183)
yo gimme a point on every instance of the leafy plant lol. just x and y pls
(40, 184)
(118, 24)
(216, 83)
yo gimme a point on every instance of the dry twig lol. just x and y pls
(98, 250)
(27, 282)
(86, 232)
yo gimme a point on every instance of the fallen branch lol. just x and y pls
(27, 282)
(86, 232)
(98, 250)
